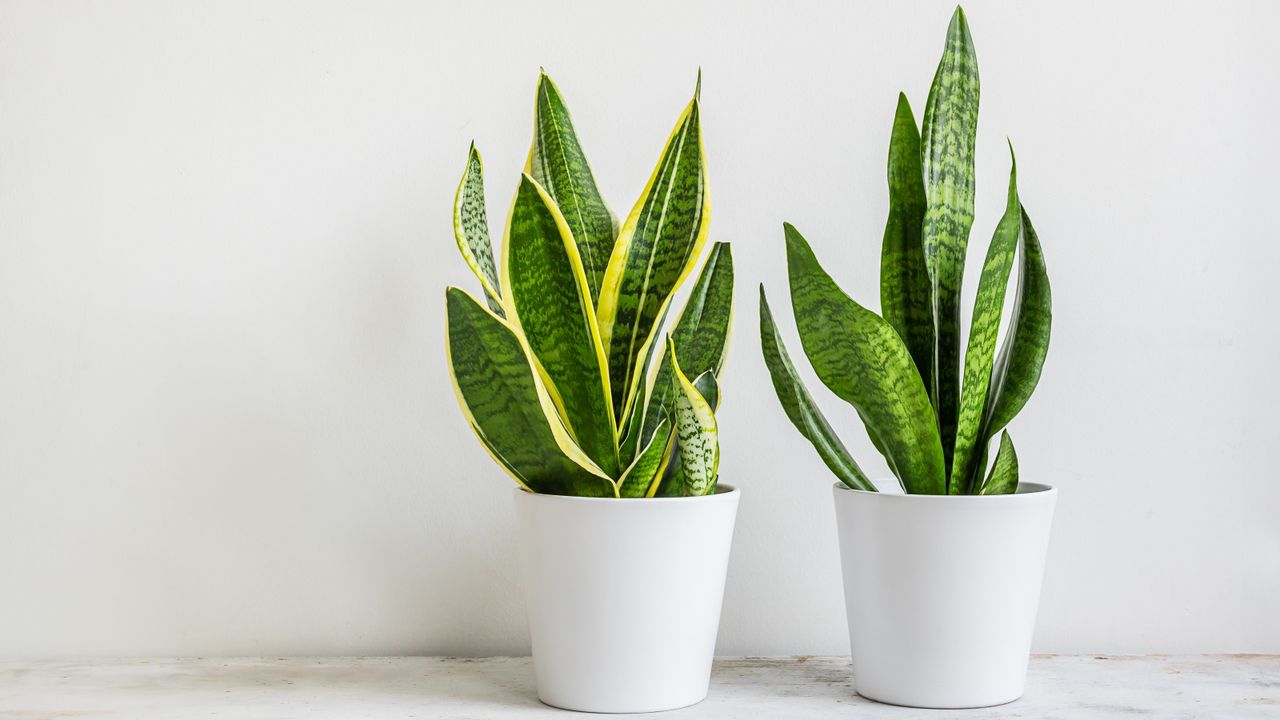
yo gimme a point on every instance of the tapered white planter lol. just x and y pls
(624, 597)
(941, 592)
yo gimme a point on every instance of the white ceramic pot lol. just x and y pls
(624, 596)
(942, 592)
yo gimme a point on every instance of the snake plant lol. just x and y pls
(566, 372)
(932, 422)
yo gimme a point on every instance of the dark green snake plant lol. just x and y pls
(565, 373)
(901, 369)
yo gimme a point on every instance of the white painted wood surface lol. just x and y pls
(1067, 687)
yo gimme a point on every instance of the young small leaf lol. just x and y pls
(471, 229)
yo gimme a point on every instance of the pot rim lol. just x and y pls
(722, 493)
(1033, 493)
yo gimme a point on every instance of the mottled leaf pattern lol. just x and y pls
(801, 409)
(701, 332)
(1003, 479)
(499, 395)
(934, 431)
(864, 361)
(979, 357)
(695, 425)
(1027, 343)
(656, 249)
(905, 299)
(632, 428)
(549, 301)
(555, 380)
(471, 229)
(950, 125)
(649, 464)
(558, 163)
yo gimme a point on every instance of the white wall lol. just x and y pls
(226, 426)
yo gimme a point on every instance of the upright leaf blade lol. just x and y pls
(1003, 479)
(695, 425)
(701, 333)
(979, 357)
(950, 125)
(503, 403)
(1026, 345)
(800, 407)
(905, 297)
(471, 229)
(558, 164)
(655, 251)
(548, 299)
(864, 361)
(649, 464)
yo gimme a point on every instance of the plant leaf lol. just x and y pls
(979, 358)
(549, 301)
(649, 465)
(799, 405)
(471, 229)
(864, 361)
(1003, 479)
(695, 424)
(905, 298)
(655, 251)
(1026, 345)
(709, 388)
(701, 332)
(508, 410)
(632, 428)
(558, 164)
(950, 123)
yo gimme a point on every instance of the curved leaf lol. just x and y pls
(904, 282)
(1003, 479)
(979, 358)
(701, 332)
(801, 409)
(649, 465)
(695, 425)
(655, 251)
(471, 229)
(503, 403)
(950, 124)
(558, 164)
(549, 301)
(864, 361)
(1027, 344)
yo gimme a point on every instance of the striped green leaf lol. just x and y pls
(1003, 479)
(701, 332)
(979, 358)
(509, 411)
(695, 426)
(800, 407)
(905, 298)
(632, 428)
(558, 163)
(1026, 345)
(950, 124)
(709, 388)
(549, 301)
(471, 229)
(655, 251)
(861, 358)
(647, 469)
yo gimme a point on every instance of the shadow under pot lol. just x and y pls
(941, 592)
(623, 596)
